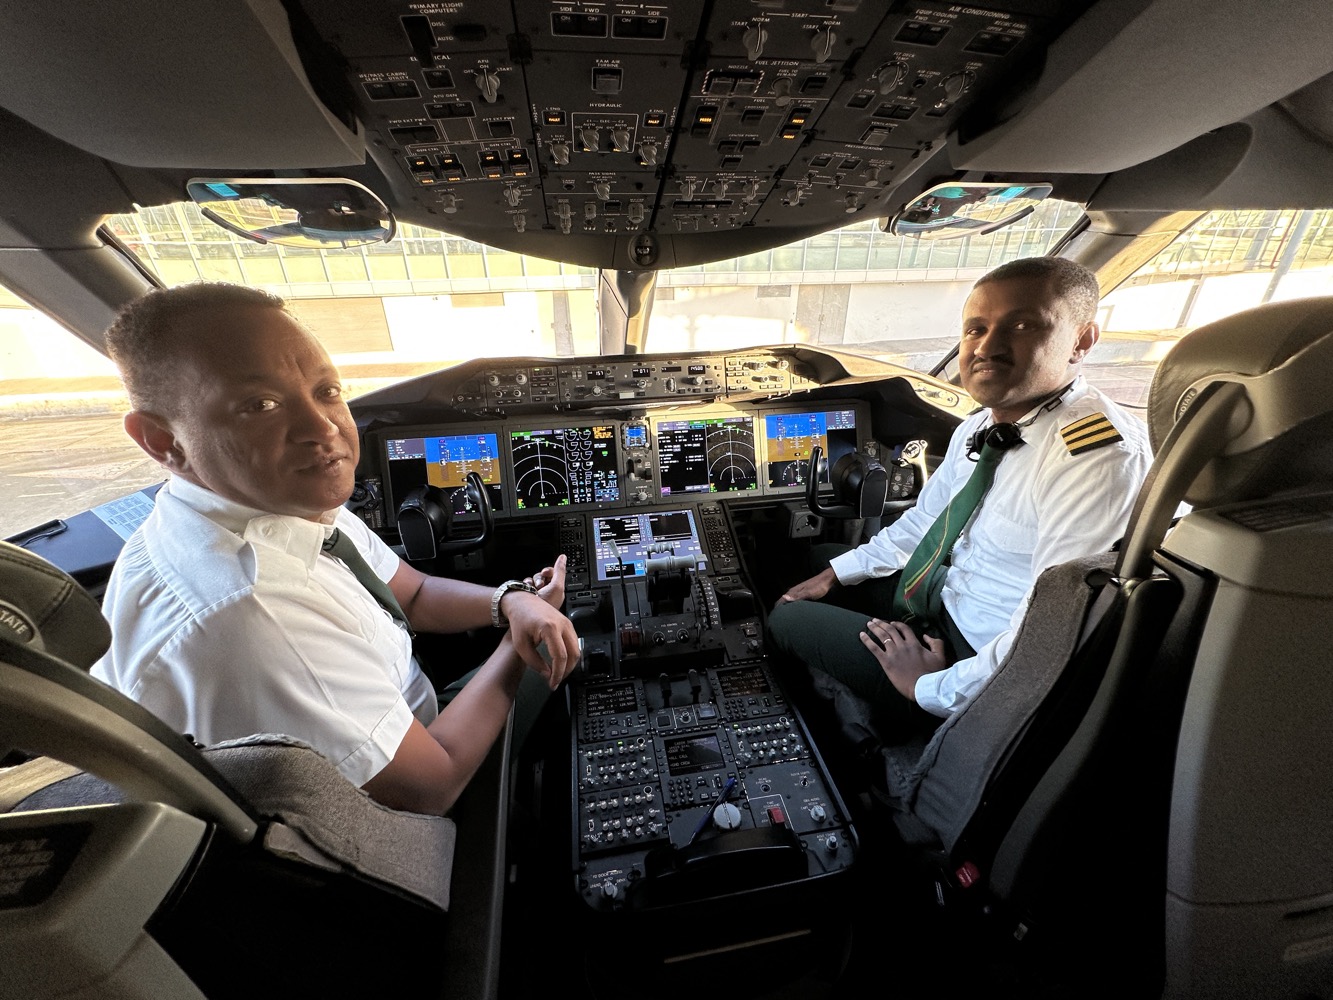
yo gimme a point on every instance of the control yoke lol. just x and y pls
(862, 486)
(426, 524)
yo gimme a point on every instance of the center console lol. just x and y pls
(694, 774)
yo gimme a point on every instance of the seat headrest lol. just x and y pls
(1281, 437)
(43, 608)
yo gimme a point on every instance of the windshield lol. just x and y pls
(391, 311)
(427, 299)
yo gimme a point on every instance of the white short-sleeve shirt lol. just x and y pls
(227, 621)
(1051, 501)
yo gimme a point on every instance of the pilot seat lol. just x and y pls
(1140, 801)
(137, 864)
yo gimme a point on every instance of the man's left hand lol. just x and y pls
(537, 618)
(901, 655)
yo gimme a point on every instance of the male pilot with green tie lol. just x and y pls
(1046, 471)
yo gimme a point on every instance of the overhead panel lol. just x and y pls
(605, 82)
(662, 134)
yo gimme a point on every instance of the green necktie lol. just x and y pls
(341, 547)
(921, 584)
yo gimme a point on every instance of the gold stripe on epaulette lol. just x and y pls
(1087, 433)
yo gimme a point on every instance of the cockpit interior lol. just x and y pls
(1138, 807)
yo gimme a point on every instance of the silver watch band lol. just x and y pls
(497, 617)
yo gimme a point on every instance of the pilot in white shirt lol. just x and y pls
(1065, 492)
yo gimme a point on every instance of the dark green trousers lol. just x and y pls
(825, 635)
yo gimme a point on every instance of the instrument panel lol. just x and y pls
(533, 465)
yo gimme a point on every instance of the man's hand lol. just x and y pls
(812, 589)
(901, 656)
(536, 618)
(550, 587)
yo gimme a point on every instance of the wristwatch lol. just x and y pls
(497, 616)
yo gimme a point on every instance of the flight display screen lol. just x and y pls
(444, 461)
(691, 754)
(560, 466)
(627, 545)
(790, 437)
(706, 455)
(610, 700)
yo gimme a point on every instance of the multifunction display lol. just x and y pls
(706, 455)
(790, 437)
(676, 458)
(443, 461)
(633, 544)
(559, 466)
(691, 754)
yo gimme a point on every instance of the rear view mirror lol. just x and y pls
(951, 211)
(295, 211)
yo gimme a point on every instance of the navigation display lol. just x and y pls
(706, 455)
(789, 438)
(444, 461)
(630, 544)
(560, 466)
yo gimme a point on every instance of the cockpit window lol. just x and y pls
(63, 449)
(428, 299)
(441, 299)
(1226, 262)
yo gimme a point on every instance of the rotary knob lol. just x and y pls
(954, 87)
(727, 816)
(822, 44)
(889, 76)
(754, 39)
(488, 82)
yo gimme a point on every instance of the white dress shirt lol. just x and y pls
(227, 621)
(1045, 506)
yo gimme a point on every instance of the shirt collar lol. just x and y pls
(294, 535)
(1077, 389)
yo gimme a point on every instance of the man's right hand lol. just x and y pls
(536, 619)
(812, 589)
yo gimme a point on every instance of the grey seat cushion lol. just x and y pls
(937, 786)
(316, 815)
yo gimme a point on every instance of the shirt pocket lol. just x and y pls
(993, 531)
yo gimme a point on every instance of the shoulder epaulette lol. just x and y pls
(1087, 433)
